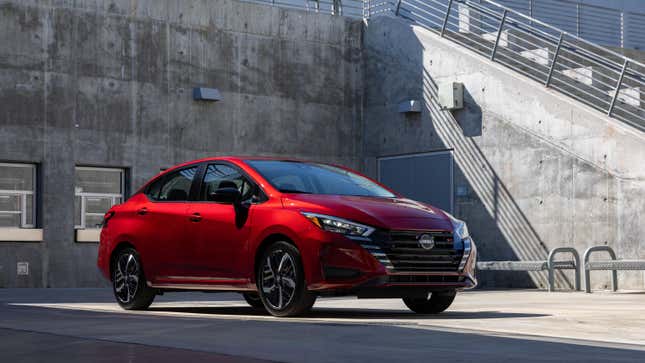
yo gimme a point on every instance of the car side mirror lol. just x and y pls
(225, 195)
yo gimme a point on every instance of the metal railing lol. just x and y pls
(613, 265)
(599, 24)
(592, 74)
(550, 265)
(349, 8)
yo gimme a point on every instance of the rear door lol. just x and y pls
(166, 223)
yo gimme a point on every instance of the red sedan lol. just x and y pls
(282, 232)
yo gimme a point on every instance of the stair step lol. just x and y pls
(469, 20)
(584, 75)
(629, 96)
(503, 38)
(510, 39)
(541, 56)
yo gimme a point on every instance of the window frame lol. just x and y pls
(85, 195)
(203, 198)
(196, 187)
(23, 194)
(163, 178)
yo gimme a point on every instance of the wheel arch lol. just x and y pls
(266, 242)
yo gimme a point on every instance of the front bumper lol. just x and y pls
(347, 268)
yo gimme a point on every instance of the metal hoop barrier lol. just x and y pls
(563, 265)
(612, 265)
(550, 265)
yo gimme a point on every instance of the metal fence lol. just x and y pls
(602, 25)
(589, 73)
(349, 8)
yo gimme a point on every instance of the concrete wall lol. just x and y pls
(109, 83)
(541, 170)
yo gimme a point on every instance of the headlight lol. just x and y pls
(460, 227)
(338, 225)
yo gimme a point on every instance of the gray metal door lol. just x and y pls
(426, 177)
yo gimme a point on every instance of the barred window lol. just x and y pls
(97, 190)
(17, 195)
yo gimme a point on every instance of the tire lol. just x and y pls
(128, 282)
(254, 300)
(435, 304)
(280, 276)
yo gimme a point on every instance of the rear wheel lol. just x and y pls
(129, 283)
(435, 303)
(254, 300)
(281, 281)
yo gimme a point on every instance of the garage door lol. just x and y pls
(426, 177)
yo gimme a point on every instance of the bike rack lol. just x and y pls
(614, 274)
(565, 265)
(550, 265)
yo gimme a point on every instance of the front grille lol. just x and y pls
(400, 251)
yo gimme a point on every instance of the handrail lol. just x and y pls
(542, 23)
(614, 274)
(611, 26)
(347, 8)
(587, 72)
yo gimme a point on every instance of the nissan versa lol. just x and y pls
(282, 232)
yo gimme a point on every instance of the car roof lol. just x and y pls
(238, 159)
(243, 158)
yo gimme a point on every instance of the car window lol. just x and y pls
(222, 176)
(153, 190)
(316, 178)
(290, 182)
(174, 187)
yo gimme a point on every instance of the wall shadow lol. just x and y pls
(470, 117)
(497, 222)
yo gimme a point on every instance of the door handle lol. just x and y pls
(195, 217)
(142, 211)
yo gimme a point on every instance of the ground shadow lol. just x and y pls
(346, 313)
(279, 339)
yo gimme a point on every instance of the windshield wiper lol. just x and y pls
(293, 191)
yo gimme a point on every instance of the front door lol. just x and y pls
(219, 231)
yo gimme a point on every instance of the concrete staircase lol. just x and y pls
(591, 74)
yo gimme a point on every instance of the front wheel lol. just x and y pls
(129, 283)
(254, 300)
(281, 281)
(435, 303)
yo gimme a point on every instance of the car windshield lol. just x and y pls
(314, 178)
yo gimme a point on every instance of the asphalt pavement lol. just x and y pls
(86, 325)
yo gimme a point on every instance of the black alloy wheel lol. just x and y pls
(129, 283)
(281, 282)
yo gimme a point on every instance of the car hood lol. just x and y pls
(388, 213)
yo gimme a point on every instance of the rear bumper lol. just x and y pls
(103, 257)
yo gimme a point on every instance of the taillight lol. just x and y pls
(106, 218)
